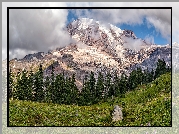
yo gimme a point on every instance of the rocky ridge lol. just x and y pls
(98, 47)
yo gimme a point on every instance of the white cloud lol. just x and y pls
(135, 45)
(20, 53)
(162, 27)
(37, 29)
(160, 19)
(149, 39)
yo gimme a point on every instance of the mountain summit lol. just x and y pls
(98, 47)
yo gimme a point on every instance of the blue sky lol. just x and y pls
(143, 30)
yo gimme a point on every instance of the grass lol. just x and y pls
(148, 104)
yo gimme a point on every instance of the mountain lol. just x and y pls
(98, 47)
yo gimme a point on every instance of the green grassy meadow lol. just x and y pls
(147, 105)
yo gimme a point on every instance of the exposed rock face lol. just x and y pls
(97, 48)
(117, 114)
(34, 56)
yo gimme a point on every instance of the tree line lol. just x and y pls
(63, 90)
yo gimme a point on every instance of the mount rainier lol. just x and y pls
(96, 47)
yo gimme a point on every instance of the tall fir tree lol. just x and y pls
(57, 89)
(30, 85)
(52, 86)
(11, 84)
(132, 81)
(99, 94)
(74, 91)
(122, 86)
(21, 85)
(86, 94)
(114, 86)
(38, 85)
(108, 86)
(62, 88)
(139, 76)
(47, 89)
(161, 68)
(91, 86)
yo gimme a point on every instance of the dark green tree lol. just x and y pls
(146, 76)
(161, 68)
(109, 90)
(139, 76)
(18, 89)
(74, 91)
(47, 89)
(68, 90)
(122, 85)
(11, 84)
(30, 85)
(38, 85)
(151, 76)
(132, 80)
(86, 94)
(56, 91)
(99, 88)
(135, 78)
(91, 86)
(21, 85)
(62, 85)
(52, 86)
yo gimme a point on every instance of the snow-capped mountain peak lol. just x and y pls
(98, 47)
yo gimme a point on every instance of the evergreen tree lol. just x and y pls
(148, 76)
(91, 86)
(62, 89)
(114, 87)
(74, 91)
(161, 68)
(47, 89)
(11, 84)
(30, 86)
(135, 78)
(38, 85)
(24, 84)
(132, 80)
(169, 69)
(18, 92)
(21, 85)
(151, 76)
(86, 94)
(57, 87)
(139, 76)
(67, 93)
(82, 95)
(99, 88)
(52, 86)
(122, 84)
(108, 86)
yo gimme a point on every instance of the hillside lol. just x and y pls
(147, 105)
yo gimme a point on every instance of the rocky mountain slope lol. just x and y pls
(98, 47)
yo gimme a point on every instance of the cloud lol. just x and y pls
(19, 53)
(160, 19)
(38, 29)
(149, 39)
(135, 45)
(162, 27)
